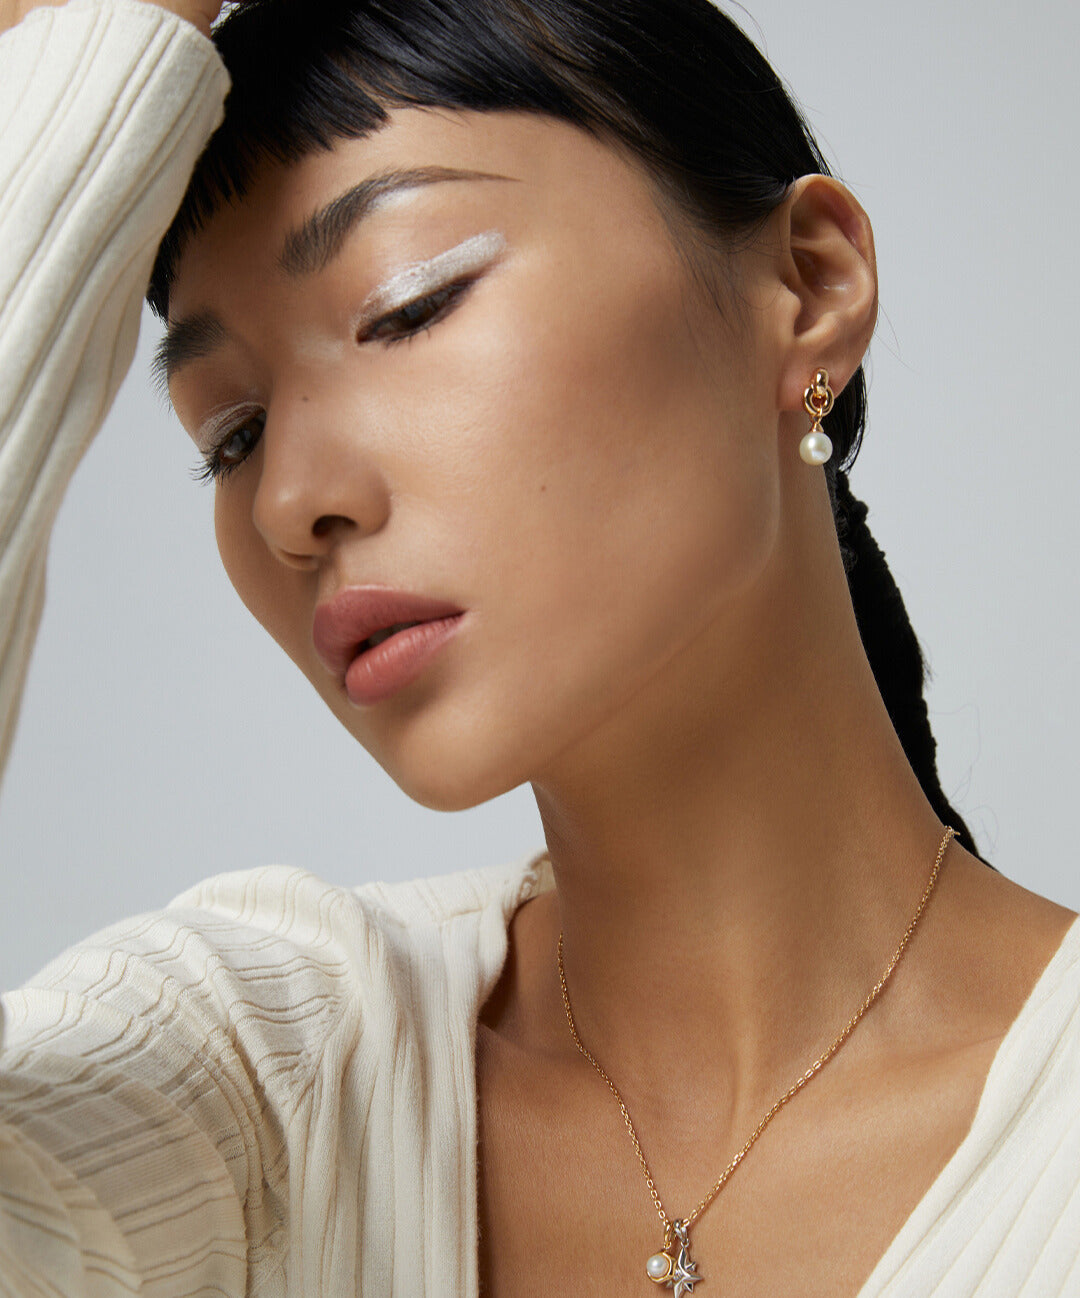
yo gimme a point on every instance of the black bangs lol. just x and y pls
(673, 81)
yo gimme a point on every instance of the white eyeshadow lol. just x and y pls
(399, 289)
(211, 429)
(411, 282)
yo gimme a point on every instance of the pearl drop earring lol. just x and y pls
(816, 447)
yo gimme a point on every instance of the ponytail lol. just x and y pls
(892, 648)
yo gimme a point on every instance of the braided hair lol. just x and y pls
(674, 82)
(891, 646)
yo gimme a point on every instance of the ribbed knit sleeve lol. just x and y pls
(104, 109)
(171, 1112)
(105, 105)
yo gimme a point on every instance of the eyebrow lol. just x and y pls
(318, 241)
(186, 340)
(309, 248)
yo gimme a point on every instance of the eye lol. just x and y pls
(233, 448)
(418, 316)
(400, 325)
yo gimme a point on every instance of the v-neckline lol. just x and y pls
(999, 1101)
(535, 877)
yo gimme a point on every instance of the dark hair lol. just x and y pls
(675, 83)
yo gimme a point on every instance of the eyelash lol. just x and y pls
(443, 299)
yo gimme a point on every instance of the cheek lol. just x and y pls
(262, 583)
(629, 473)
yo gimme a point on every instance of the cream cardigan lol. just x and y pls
(268, 1087)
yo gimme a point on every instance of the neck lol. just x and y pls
(735, 864)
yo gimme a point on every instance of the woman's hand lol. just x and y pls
(200, 12)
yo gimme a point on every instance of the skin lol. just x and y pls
(602, 468)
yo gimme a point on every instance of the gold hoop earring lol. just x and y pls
(816, 447)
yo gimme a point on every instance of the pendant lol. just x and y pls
(678, 1272)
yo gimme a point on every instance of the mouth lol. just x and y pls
(380, 636)
(375, 640)
(394, 657)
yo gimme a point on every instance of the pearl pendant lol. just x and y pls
(816, 447)
(679, 1272)
(658, 1267)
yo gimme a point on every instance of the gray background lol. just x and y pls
(164, 737)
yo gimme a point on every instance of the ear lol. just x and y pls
(827, 264)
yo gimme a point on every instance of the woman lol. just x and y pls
(539, 326)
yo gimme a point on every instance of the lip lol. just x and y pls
(342, 624)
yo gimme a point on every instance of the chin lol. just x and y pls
(453, 786)
(441, 763)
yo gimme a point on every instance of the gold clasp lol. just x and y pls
(818, 397)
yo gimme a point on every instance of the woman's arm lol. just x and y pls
(124, 1115)
(105, 106)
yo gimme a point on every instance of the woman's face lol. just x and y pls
(506, 392)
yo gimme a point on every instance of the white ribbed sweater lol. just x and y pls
(268, 1087)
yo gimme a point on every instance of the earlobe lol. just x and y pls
(828, 265)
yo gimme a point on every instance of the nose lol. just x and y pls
(317, 484)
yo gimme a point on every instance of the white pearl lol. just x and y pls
(815, 447)
(658, 1266)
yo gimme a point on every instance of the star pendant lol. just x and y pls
(684, 1273)
(680, 1273)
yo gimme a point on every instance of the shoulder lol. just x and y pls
(275, 956)
(1052, 1011)
(243, 975)
(1032, 1092)
(280, 904)
(998, 947)
(438, 899)
(264, 1020)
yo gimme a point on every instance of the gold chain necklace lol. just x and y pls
(675, 1269)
